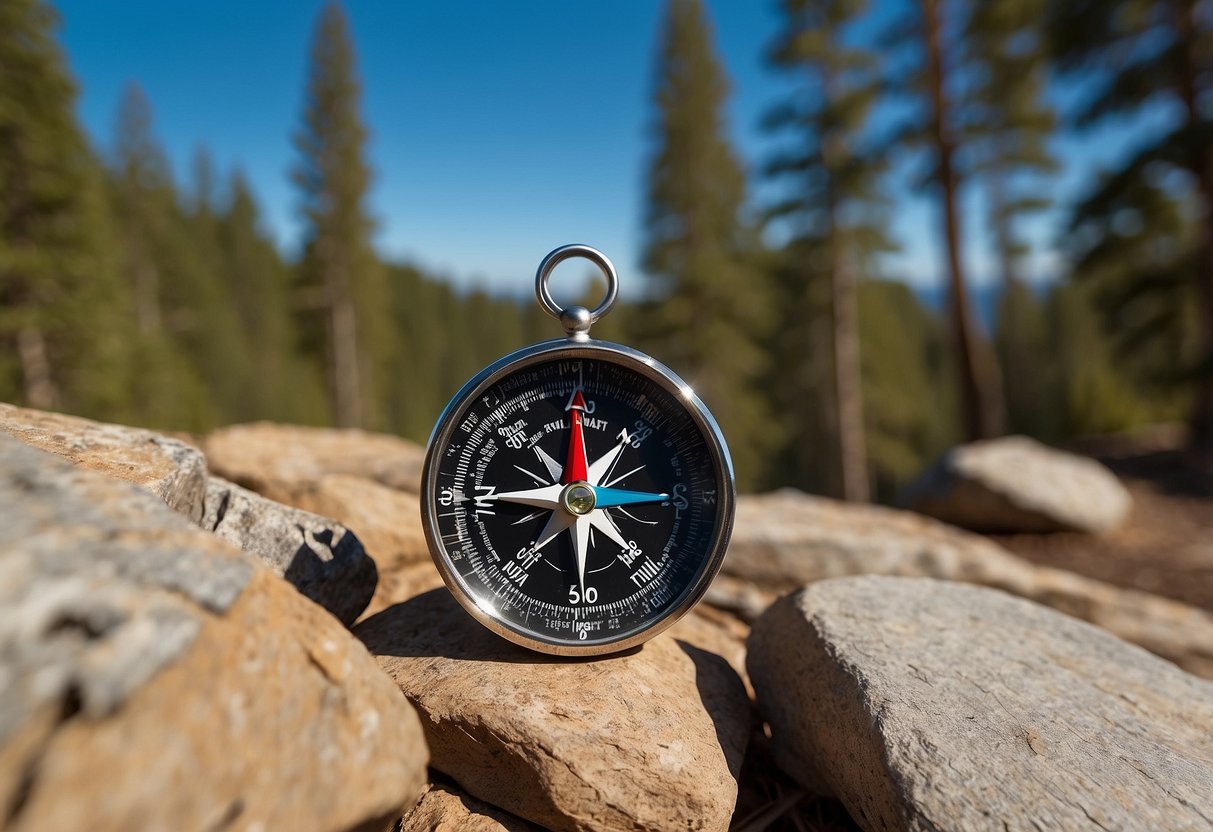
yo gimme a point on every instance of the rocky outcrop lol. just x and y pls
(387, 521)
(169, 468)
(444, 808)
(155, 678)
(264, 455)
(1016, 484)
(930, 705)
(787, 539)
(319, 556)
(650, 739)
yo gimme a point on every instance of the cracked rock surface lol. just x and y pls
(387, 521)
(650, 739)
(152, 677)
(172, 470)
(928, 705)
(322, 558)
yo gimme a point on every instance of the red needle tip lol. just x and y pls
(577, 469)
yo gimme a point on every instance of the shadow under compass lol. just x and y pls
(434, 625)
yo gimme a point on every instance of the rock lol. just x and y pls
(172, 470)
(444, 808)
(930, 705)
(718, 633)
(264, 455)
(787, 539)
(738, 596)
(152, 677)
(650, 739)
(319, 556)
(1016, 484)
(400, 584)
(388, 522)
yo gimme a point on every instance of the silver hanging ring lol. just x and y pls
(576, 319)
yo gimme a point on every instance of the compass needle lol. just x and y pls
(526, 515)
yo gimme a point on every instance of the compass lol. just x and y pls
(577, 496)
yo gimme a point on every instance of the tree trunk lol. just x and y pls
(977, 371)
(38, 387)
(1198, 162)
(344, 373)
(1020, 390)
(848, 385)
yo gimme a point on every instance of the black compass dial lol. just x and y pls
(577, 500)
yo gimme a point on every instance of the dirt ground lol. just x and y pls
(1166, 545)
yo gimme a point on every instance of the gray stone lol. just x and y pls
(172, 470)
(152, 677)
(320, 557)
(929, 705)
(652, 738)
(1016, 484)
(787, 539)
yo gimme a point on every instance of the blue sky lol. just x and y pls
(498, 130)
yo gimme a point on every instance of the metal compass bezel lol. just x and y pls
(642, 364)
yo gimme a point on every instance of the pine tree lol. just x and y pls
(909, 405)
(284, 386)
(1008, 127)
(64, 313)
(190, 350)
(836, 211)
(933, 33)
(711, 302)
(1136, 54)
(339, 264)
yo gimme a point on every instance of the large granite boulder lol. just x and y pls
(786, 539)
(153, 677)
(263, 456)
(169, 468)
(1016, 484)
(649, 739)
(930, 705)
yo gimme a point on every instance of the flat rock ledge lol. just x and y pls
(929, 705)
(787, 539)
(1015, 484)
(650, 739)
(152, 677)
(264, 456)
(322, 558)
(169, 468)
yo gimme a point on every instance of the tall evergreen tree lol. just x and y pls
(711, 302)
(1008, 127)
(836, 210)
(1137, 54)
(283, 385)
(64, 313)
(339, 264)
(191, 353)
(933, 32)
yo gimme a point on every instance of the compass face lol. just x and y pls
(577, 500)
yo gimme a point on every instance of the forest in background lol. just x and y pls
(128, 296)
